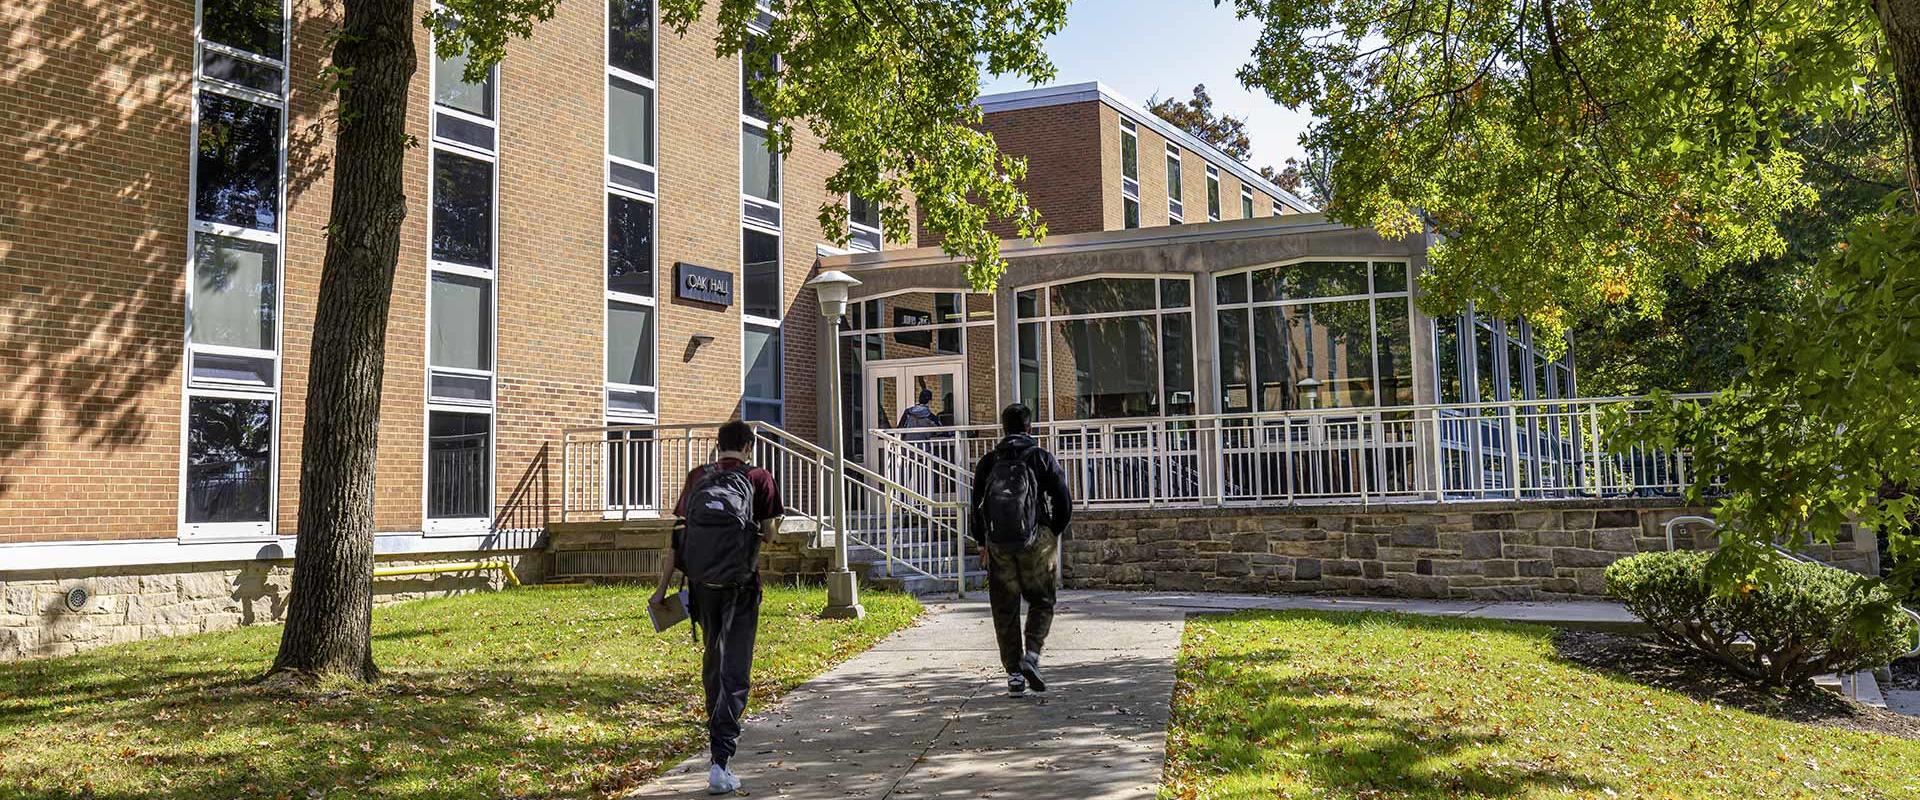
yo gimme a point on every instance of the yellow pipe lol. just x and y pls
(463, 566)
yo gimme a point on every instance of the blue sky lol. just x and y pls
(1143, 47)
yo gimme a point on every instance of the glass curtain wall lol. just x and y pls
(1532, 448)
(1107, 347)
(1316, 336)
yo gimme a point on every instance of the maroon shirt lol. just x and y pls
(766, 494)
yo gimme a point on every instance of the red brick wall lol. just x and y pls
(95, 103)
(1062, 145)
(95, 109)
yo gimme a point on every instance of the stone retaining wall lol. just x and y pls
(125, 604)
(633, 550)
(1487, 551)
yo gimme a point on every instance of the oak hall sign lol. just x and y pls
(702, 284)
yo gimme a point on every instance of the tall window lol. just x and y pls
(462, 257)
(863, 223)
(759, 161)
(1485, 360)
(1213, 194)
(1107, 347)
(1129, 174)
(1246, 202)
(233, 274)
(1176, 210)
(1314, 335)
(631, 384)
(762, 290)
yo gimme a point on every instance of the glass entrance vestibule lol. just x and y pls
(1204, 371)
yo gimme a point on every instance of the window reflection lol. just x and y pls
(229, 459)
(237, 177)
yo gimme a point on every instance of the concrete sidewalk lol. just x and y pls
(925, 715)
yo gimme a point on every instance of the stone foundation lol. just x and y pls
(125, 604)
(1483, 551)
(633, 550)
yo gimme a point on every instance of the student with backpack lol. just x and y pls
(919, 415)
(1020, 509)
(726, 509)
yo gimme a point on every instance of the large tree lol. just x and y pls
(1305, 177)
(1195, 115)
(888, 85)
(1580, 157)
(1698, 341)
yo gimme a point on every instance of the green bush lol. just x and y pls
(1811, 619)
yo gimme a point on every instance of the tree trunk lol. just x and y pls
(330, 611)
(1900, 21)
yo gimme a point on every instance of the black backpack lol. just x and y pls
(1012, 501)
(721, 543)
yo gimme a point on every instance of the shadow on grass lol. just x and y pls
(535, 694)
(1254, 716)
(1640, 660)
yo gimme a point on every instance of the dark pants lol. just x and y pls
(728, 620)
(1013, 577)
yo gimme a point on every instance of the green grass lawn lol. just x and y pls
(535, 692)
(1387, 706)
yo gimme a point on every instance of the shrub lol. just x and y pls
(1810, 619)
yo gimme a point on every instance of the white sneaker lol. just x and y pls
(721, 781)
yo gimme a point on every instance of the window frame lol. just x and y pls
(1129, 184)
(651, 197)
(770, 208)
(1213, 193)
(191, 387)
(1044, 317)
(1246, 201)
(1176, 175)
(775, 324)
(1373, 297)
(861, 237)
(437, 144)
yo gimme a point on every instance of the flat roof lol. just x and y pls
(1015, 248)
(1071, 93)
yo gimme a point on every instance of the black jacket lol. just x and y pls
(1056, 503)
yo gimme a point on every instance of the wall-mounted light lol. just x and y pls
(698, 341)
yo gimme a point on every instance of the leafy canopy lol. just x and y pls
(887, 85)
(1570, 155)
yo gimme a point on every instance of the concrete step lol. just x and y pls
(1861, 686)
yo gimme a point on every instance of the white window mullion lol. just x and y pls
(241, 501)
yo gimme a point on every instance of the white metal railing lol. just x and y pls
(627, 471)
(1533, 450)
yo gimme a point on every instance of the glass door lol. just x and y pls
(916, 399)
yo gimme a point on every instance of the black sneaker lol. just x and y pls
(1016, 685)
(1030, 669)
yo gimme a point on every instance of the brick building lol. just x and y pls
(168, 174)
(597, 237)
(1098, 161)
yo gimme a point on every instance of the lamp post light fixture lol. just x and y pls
(843, 590)
(1310, 387)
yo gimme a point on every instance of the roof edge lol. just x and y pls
(1158, 235)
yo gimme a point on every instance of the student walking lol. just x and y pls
(726, 509)
(1020, 509)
